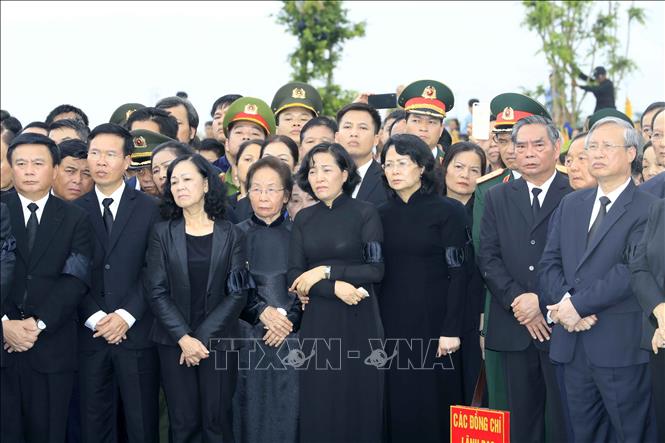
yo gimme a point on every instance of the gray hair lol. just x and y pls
(552, 131)
(631, 136)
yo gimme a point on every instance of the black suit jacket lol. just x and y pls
(647, 266)
(50, 280)
(511, 244)
(372, 189)
(655, 186)
(169, 291)
(118, 265)
(597, 277)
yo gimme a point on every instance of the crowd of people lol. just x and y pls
(298, 277)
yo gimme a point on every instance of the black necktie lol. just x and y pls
(604, 201)
(108, 216)
(32, 225)
(535, 204)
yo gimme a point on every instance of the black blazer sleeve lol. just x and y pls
(7, 256)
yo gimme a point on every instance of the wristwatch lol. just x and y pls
(326, 272)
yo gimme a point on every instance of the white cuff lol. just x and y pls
(91, 322)
(5, 318)
(129, 318)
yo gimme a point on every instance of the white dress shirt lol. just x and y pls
(91, 322)
(362, 171)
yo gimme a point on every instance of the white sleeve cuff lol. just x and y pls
(129, 318)
(91, 322)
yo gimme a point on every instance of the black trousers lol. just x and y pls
(609, 404)
(533, 393)
(134, 374)
(34, 404)
(199, 398)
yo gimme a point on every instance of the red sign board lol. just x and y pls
(479, 425)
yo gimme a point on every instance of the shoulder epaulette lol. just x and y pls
(490, 176)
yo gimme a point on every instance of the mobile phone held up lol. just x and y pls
(382, 101)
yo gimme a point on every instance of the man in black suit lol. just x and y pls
(114, 318)
(51, 274)
(358, 132)
(584, 277)
(512, 238)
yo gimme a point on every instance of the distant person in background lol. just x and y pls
(466, 121)
(63, 112)
(184, 112)
(155, 120)
(602, 88)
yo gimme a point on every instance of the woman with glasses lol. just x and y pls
(335, 260)
(422, 294)
(266, 402)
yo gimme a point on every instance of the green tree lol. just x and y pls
(322, 28)
(578, 34)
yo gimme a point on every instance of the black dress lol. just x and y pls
(341, 393)
(266, 400)
(422, 299)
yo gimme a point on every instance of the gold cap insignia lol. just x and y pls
(251, 108)
(508, 114)
(139, 142)
(429, 92)
(298, 93)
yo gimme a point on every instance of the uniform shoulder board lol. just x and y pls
(562, 169)
(489, 176)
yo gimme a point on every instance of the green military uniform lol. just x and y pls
(248, 109)
(121, 115)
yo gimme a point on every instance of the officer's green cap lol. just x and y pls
(253, 110)
(297, 94)
(121, 115)
(144, 143)
(608, 112)
(511, 107)
(427, 97)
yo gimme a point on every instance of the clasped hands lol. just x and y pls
(113, 328)
(20, 335)
(346, 292)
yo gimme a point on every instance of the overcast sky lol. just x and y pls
(99, 55)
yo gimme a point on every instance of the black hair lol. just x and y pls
(168, 125)
(318, 121)
(34, 139)
(472, 101)
(114, 129)
(397, 114)
(656, 115)
(82, 131)
(376, 118)
(343, 160)
(276, 165)
(458, 148)
(40, 125)
(73, 148)
(651, 107)
(397, 120)
(293, 147)
(431, 181)
(223, 101)
(178, 148)
(210, 144)
(172, 102)
(214, 203)
(63, 109)
(11, 123)
(247, 143)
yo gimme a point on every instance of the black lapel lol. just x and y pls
(220, 238)
(18, 225)
(369, 181)
(613, 215)
(94, 210)
(54, 213)
(554, 195)
(177, 228)
(520, 195)
(125, 210)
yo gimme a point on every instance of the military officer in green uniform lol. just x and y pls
(508, 109)
(247, 118)
(426, 103)
(295, 104)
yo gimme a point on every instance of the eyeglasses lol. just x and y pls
(401, 165)
(605, 147)
(270, 191)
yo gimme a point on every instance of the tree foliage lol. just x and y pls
(576, 36)
(322, 28)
